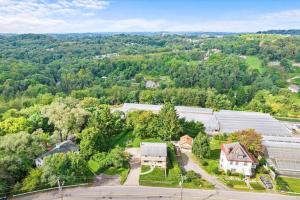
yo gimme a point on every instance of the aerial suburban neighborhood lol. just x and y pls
(134, 100)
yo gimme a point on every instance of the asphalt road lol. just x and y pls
(152, 193)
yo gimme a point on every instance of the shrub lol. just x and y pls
(204, 163)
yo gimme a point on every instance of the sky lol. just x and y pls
(81, 16)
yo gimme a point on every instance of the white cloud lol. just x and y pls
(39, 16)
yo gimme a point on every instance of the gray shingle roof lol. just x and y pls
(153, 149)
(63, 147)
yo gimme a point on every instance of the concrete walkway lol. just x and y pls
(135, 167)
(188, 164)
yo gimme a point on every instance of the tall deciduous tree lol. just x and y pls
(250, 139)
(201, 146)
(67, 117)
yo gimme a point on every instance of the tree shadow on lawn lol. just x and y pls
(214, 154)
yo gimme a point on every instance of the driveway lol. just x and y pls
(187, 163)
(135, 167)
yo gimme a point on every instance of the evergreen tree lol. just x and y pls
(201, 147)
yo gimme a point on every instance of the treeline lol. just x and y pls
(115, 68)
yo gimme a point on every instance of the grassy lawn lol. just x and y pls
(122, 172)
(128, 139)
(254, 63)
(236, 184)
(288, 184)
(122, 139)
(211, 164)
(257, 186)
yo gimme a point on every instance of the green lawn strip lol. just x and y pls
(288, 119)
(257, 186)
(121, 139)
(288, 184)
(136, 141)
(122, 172)
(255, 63)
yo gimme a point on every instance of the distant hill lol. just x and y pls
(283, 32)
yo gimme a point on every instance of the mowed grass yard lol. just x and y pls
(288, 184)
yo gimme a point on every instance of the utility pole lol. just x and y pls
(181, 186)
(60, 188)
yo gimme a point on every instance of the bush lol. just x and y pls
(204, 163)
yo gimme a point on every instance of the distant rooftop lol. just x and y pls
(153, 149)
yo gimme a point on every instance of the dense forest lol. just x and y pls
(55, 87)
(245, 72)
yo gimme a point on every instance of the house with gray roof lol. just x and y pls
(154, 154)
(64, 147)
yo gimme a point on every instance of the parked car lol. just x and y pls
(267, 183)
(3, 198)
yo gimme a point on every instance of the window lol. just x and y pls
(236, 163)
(245, 163)
(231, 163)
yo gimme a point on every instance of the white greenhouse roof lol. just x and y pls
(265, 124)
(226, 121)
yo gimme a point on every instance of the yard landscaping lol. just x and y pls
(211, 165)
(288, 184)
(157, 176)
(172, 179)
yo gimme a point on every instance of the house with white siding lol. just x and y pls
(235, 158)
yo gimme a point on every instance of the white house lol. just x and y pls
(236, 159)
(64, 147)
(154, 154)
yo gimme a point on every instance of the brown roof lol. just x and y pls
(186, 139)
(237, 152)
